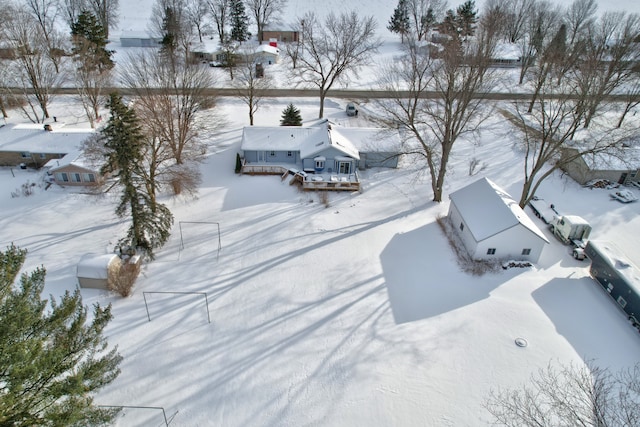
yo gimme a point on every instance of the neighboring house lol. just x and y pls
(491, 225)
(281, 35)
(138, 39)
(589, 167)
(323, 155)
(506, 55)
(73, 169)
(266, 54)
(35, 144)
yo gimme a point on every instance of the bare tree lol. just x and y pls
(579, 16)
(250, 85)
(196, 13)
(542, 25)
(548, 130)
(106, 11)
(265, 11)
(455, 75)
(632, 95)
(609, 55)
(70, 9)
(570, 395)
(45, 14)
(515, 16)
(333, 50)
(169, 97)
(220, 11)
(170, 22)
(33, 70)
(423, 15)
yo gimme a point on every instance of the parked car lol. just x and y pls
(351, 109)
(624, 196)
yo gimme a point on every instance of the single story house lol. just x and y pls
(279, 34)
(323, 155)
(623, 168)
(36, 144)
(95, 271)
(73, 169)
(506, 55)
(266, 54)
(491, 225)
(139, 39)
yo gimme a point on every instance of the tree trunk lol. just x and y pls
(323, 94)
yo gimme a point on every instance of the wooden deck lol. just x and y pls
(309, 181)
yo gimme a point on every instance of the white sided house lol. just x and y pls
(491, 225)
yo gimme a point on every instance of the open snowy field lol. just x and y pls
(353, 314)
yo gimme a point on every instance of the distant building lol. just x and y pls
(279, 34)
(623, 167)
(491, 225)
(73, 169)
(138, 39)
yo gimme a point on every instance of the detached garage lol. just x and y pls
(491, 225)
(93, 270)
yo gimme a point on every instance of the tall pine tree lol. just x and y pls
(239, 22)
(291, 116)
(399, 22)
(123, 139)
(89, 40)
(52, 359)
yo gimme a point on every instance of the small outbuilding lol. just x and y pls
(93, 271)
(623, 167)
(492, 225)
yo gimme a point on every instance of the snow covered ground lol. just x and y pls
(353, 314)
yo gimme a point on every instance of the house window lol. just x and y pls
(25, 155)
(621, 301)
(88, 177)
(289, 154)
(526, 252)
(62, 177)
(345, 167)
(75, 177)
(272, 153)
(609, 287)
(461, 227)
(319, 164)
(491, 251)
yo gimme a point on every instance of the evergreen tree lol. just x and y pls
(291, 116)
(52, 360)
(467, 17)
(123, 139)
(399, 22)
(89, 40)
(171, 30)
(239, 22)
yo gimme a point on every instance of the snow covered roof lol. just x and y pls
(75, 158)
(487, 210)
(92, 266)
(265, 48)
(33, 138)
(308, 140)
(137, 35)
(371, 139)
(507, 51)
(617, 259)
(629, 159)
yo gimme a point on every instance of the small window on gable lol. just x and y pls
(461, 227)
(289, 154)
(272, 153)
(491, 251)
(526, 252)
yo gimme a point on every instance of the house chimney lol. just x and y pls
(48, 127)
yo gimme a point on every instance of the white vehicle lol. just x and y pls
(351, 109)
(624, 196)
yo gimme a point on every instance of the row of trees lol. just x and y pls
(573, 60)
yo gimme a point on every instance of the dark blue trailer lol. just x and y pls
(617, 275)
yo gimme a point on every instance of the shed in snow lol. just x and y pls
(93, 270)
(623, 168)
(491, 225)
